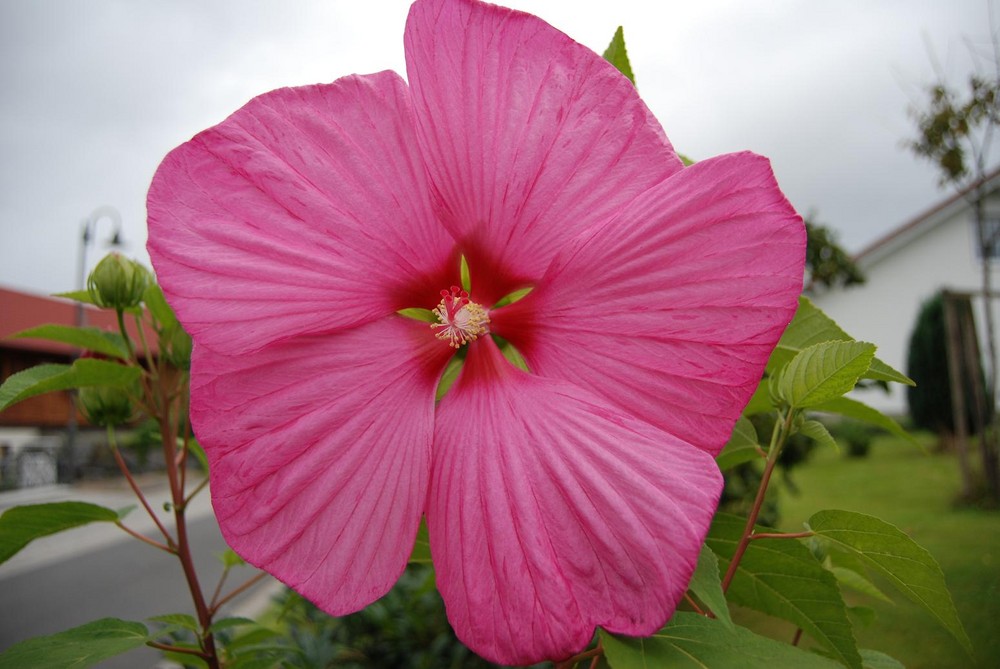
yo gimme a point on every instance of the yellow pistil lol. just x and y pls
(459, 319)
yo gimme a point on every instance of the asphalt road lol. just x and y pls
(72, 578)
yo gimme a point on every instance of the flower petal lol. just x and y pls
(671, 311)
(551, 512)
(319, 451)
(305, 211)
(529, 137)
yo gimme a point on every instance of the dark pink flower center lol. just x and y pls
(460, 320)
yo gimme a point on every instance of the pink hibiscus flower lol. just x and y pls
(577, 495)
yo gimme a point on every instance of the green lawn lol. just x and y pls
(914, 490)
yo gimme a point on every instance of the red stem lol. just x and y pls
(123, 467)
(781, 432)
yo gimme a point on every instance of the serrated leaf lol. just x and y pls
(158, 307)
(82, 646)
(823, 372)
(780, 577)
(176, 621)
(873, 659)
(845, 406)
(230, 559)
(811, 326)
(696, 642)
(858, 582)
(228, 623)
(707, 586)
(816, 431)
(618, 56)
(20, 525)
(421, 553)
(760, 402)
(896, 556)
(864, 615)
(48, 378)
(89, 339)
(741, 447)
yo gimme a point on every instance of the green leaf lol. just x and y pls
(512, 297)
(862, 615)
(195, 449)
(230, 559)
(157, 305)
(846, 406)
(691, 641)
(47, 378)
(174, 621)
(466, 277)
(760, 402)
(20, 525)
(618, 56)
(858, 582)
(780, 577)
(82, 646)
(811, 326)
(227, 623)
(741, 447)
(90, 339)
(450, 374)
(421, 553)
(816, 431)
(417, 314)
(823, 372)
(897, 557)
(706, 584)
(873, 659)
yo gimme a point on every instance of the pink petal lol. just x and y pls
(305, 211)
(551, 512)
(671, 311)
(320, 454)
(529, 137)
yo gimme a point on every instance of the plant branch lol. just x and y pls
(177, 649)
(123, 467)
(143, 538)
(782, 428)
(254, 580)
(587, 654)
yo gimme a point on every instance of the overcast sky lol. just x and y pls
(93, 94)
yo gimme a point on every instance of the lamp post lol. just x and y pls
(88, 236)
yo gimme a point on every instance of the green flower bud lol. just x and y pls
(117, 282)
(105, 405)
(175, 345)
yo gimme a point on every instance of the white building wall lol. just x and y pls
(883, 310)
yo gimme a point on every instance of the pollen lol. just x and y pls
(460, 320)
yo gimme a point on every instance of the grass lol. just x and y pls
(915, 491)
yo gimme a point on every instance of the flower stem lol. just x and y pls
(254, 580)
(145, 539)
(579, 657)
(168, 435)
(778, 437)
(123, 467)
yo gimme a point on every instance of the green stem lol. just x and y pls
(778, 437)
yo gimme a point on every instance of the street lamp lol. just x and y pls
(87, 237)
(89, 234)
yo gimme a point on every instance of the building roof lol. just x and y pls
(922, 223)
(21, 310)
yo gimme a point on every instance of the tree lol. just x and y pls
(955, 132)
(828, 264)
